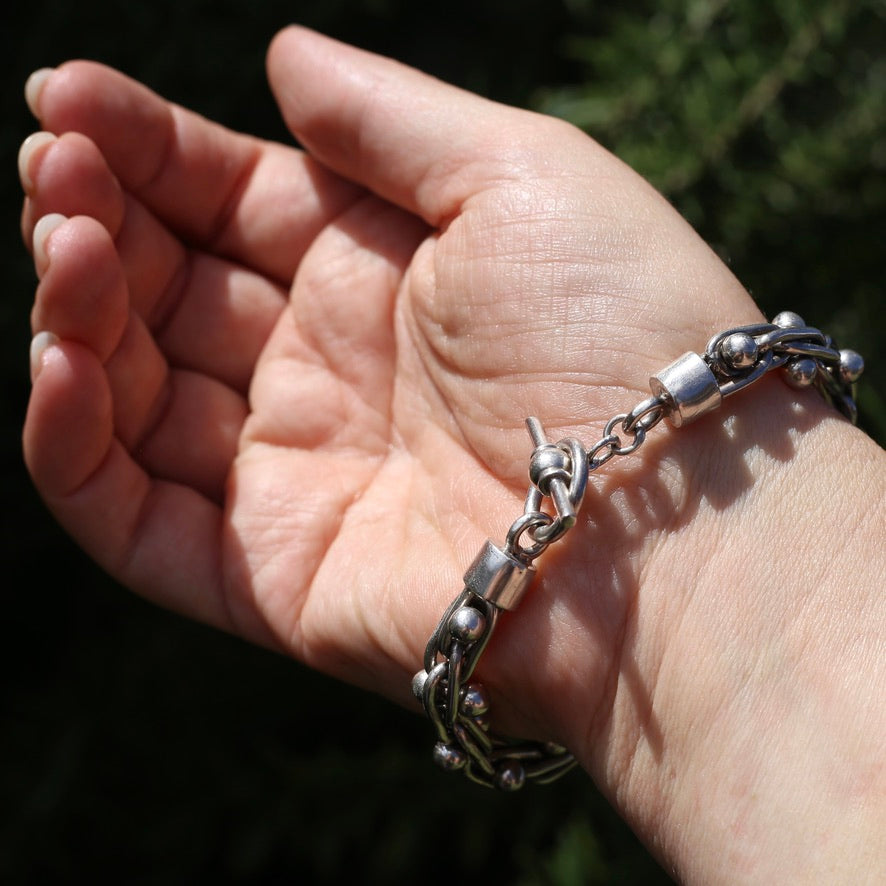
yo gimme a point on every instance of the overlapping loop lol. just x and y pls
(459, 708)
(808, 357)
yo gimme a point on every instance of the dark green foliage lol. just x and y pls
(141, 749)
(765, 124)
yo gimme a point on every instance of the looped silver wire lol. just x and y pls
(638, 433)
(645, 415)
(754, 330)
(526, 523)
(828, 355)
(609, 443)
(781, 334)
(464, 741)
(767, 361)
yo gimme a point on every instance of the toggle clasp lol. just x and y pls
(559, 471)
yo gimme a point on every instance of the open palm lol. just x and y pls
(288, 391)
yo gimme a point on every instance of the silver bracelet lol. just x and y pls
(499, 577)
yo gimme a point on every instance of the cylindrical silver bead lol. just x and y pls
(689, 387)
(498, 577)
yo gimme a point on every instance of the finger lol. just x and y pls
(161, 539)
(254, 201)
(208, 315)
(184, 426)
(220, 320)
(68, 176)
(420, 143)
(180, 425)
(82, 294)
(195, 439)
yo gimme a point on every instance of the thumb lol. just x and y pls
(420, 143)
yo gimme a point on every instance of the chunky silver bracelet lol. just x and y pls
(499, 577)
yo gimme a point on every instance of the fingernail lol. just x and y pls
(29, 147)
(39, 344)
(44, 227)
(34, 86)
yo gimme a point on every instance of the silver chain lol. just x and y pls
(558, 472)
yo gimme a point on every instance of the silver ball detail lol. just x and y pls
(788, 320)
(510, 776)
(801, 372)
(739, 350)
(474, 701)
(547, 463)
(851, 366)
(467, 624)
(418, 684)
(449, 757)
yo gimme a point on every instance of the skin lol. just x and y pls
(283, 392)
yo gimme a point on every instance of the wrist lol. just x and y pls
(745, 677)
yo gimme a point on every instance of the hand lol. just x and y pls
(314, 468)
(284, 393)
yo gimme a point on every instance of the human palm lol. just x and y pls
(314, 469)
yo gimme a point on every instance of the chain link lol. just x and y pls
(684, 391)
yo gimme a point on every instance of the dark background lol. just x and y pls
(143, 749)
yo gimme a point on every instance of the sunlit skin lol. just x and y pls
(283, 391)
